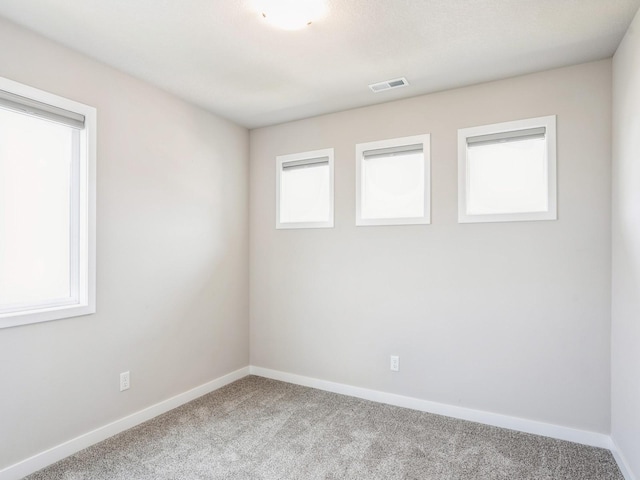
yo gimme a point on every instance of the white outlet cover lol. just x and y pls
(395, 363)
(124, 381)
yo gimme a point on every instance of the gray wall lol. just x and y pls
(626, 248)
(172, 258)
(511, 318)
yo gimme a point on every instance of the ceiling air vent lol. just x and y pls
(388, 84)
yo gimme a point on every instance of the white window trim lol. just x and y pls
(86, 220)
(549, 122)
(425, 140)
(280, 160)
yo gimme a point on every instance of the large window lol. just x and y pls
(47, 206)
(507, 171)
(392, 181)
(304, 190)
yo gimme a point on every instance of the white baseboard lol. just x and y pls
(42, 459)
(622, 462)
(513, 423)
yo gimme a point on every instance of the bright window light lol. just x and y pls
(305, 190)
(35, 213)
(509, 177)
(393, 186)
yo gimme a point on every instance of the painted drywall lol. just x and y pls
(172, 243)
(625, 366)
(511, 318)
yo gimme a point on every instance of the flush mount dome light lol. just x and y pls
(291, 14)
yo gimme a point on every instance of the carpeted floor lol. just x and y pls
(259, 429)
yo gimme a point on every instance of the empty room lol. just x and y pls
(320, 239)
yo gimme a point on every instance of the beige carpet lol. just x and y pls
(259, 429)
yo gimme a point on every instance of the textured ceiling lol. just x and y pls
(222, 55)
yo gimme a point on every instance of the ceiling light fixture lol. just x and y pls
(291, 14)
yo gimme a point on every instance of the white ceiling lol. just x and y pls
(222, 55)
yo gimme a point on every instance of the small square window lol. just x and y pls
(392, 181)
(304, 186)
(507, 171)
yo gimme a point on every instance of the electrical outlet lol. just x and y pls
(395, 363)
(124, 381)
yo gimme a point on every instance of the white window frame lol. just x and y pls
(281, 160)
(549, 123)
(361, 148)
(84, 222)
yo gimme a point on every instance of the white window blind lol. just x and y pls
(18, 103)
(504, 137)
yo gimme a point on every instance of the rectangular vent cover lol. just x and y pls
(388, 84)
